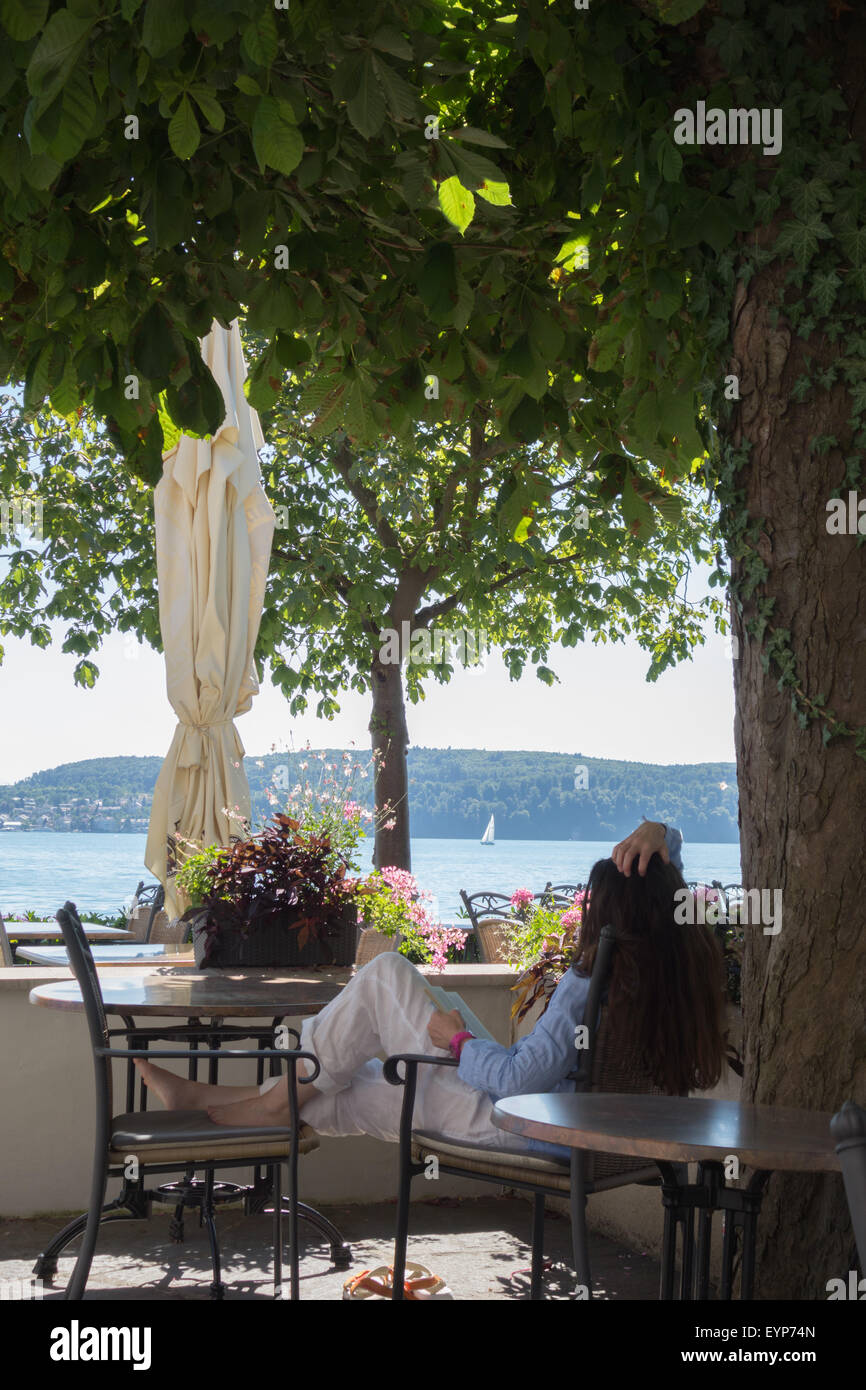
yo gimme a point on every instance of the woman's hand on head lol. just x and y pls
(641, 844)
(442, 1027)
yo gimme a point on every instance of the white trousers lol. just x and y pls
(386, 1009)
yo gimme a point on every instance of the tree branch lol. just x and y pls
(447, 605)
(365, 497)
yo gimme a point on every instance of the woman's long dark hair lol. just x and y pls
(665, 995)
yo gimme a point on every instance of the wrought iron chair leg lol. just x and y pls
(76, 1285)
(668, 1262)
(536, 1290)
(208, 1216)
(401, 1236)
(294, 1252)
(579, 1234)
(278, 1232)
(46, 1263)
(406, 1168)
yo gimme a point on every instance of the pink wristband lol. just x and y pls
(455, 1046)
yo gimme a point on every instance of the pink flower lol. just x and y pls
(351, 810)
(521, 897)
(709, 895)
(401, 882)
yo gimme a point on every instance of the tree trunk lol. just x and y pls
(802, 806)
(390, 740)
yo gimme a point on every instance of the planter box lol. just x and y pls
(277, 944)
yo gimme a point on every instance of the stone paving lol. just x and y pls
(479, 1246)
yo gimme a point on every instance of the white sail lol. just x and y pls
(487, 837)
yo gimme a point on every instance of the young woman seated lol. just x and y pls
(665, 996)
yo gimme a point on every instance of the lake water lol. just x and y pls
(99, 872)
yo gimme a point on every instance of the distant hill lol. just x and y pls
(453, 793)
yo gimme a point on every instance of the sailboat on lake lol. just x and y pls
(488, 837)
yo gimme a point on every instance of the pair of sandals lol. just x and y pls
(418, 1284)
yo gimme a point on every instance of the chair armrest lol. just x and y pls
(291, 1056)
(412, 1059)
(192, 1034)
(390, 1070)
(198, 1031)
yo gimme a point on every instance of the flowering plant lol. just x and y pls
(324, 804)
(390, 901)
(521, 900)
(283, 875)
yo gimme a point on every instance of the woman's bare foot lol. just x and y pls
(226, 1105)
(175, 1092)
(270, 1109)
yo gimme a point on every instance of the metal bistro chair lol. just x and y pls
(149, 921)
(848, 1128)
(147, 903)
(164, 932)
(480, 905)
(562, 894)
(492, 917)
(166, 1141)
(372, 943)
(603, 1067)
(489, 914)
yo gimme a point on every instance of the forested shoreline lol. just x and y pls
(453, 792)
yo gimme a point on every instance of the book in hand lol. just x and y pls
(448, 999)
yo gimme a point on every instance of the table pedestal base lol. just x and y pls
(709, 1194)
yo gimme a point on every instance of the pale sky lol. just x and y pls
(603, 708)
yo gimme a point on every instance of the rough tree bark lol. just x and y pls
(389, 731)
(802, 806)
(388, 727)
(390, 740)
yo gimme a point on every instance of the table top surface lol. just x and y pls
(177, 991)
(47, 931)
(676, 1128)
(139, 953)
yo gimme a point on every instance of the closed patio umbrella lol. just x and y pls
(214, 528)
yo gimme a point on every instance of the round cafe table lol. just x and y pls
(680, 1129)
(178, 992)
(204, 999)
(50, 931)
(139, 953)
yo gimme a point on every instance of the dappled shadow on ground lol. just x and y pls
(478, 1245)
